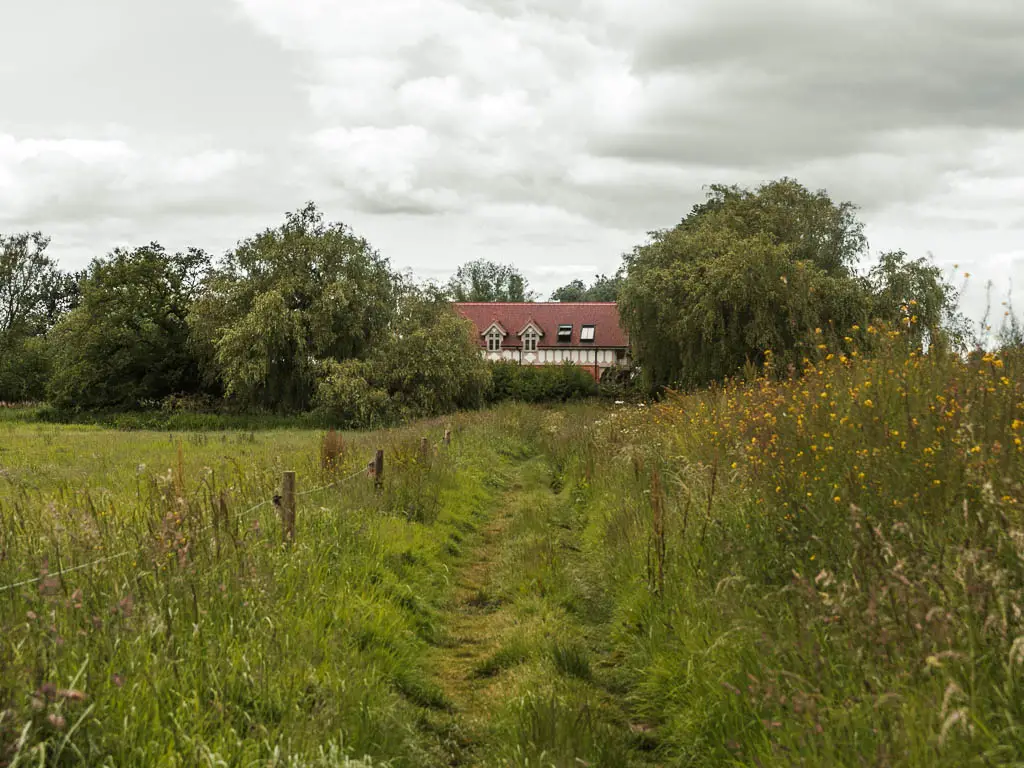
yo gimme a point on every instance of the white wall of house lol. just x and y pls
(602, 357)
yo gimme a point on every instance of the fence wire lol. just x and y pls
(109, 558)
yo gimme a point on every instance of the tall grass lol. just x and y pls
(206, 640)
(820, 568)
(842, 554)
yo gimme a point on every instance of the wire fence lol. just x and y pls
(136, 550)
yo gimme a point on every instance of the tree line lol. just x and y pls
(308, 315)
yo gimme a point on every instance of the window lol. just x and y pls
(565, 333)
(494, 340)
(530, 341)
(587, 333)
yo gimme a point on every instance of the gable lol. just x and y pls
(494, 326)
(530, 325)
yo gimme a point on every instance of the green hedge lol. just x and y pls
(538, 384)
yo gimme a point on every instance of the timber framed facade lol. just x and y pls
(587, 334)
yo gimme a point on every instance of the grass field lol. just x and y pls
(817, 571)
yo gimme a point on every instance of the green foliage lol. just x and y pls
(483, 280)
(286, 300)
(702, 300)
(126, 343)
(34, 294)
(29, 280)
(913, 292)
(346, 395)
(756, 272)
(426, 364)
(430, 363)
(818, 230)
(542, 383)
(604, 288)
(24, 368)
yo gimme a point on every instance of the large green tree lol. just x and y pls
(34, 295)
(817, 229)
(28, 280)
(483, 280)
(603, 288)
(773, 268)
(427, 363)
(914, 295)
(126, 344)
(285, 300)
(747, 271)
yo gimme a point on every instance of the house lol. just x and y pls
(549, 333)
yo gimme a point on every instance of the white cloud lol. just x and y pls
(54, 179)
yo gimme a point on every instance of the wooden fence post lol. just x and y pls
(424, 448)
(288, 506)
(378, 469)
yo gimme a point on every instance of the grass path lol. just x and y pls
(475, 623)
(522, 669)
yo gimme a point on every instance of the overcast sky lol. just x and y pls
(548, 133)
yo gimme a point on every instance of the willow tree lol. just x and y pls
(284, 301)
(745, 272)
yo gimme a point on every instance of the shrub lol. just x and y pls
(24, 369)
(346, 396)
(538, 384)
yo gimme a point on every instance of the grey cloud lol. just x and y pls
(544, 132)
(796, 80)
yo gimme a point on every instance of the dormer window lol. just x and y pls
(494, 340)
(587, 333)
(530, 339)
(565, 333)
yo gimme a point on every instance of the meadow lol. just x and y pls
(819, 567)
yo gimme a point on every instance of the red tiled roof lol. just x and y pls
(547, 316)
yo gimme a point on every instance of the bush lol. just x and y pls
(538, 384)
(24, 369)
(346, 396)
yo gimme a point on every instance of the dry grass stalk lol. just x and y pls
(332, 450)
